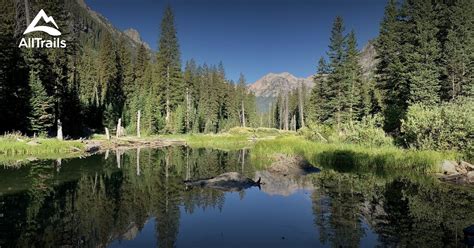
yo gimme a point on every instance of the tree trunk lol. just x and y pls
(287, 112)
(119, 128)
(270, 115)
(60, 130)
(107, 134)
(243, 114)
(139, 114)
(300, 98)
(167, 118)
(27, 13)
(188, 109)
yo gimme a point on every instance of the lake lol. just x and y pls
(136, 198)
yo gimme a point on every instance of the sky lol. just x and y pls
(253, 37)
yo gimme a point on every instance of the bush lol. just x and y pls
(446, 127)
(366, 132)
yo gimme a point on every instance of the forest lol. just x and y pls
(420, 95)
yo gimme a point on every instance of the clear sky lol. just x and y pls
(254, 37)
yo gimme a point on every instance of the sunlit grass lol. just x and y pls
(348, 157)
(16, 148)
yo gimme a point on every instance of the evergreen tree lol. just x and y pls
(169, 66)
(458, 52)
(338, 86)
(390, 69)
(353, 73)
(41, 117)
(422, 61)
(13, 74)
(318, 97)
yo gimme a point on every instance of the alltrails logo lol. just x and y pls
(40, 42)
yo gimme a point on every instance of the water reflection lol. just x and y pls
(136, 198)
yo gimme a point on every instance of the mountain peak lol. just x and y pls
(135, 36)
(273, 83)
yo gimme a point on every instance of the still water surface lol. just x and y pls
(137, 199)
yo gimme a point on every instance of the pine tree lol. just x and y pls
(391, 81)
(169, 66)
(41, 117)
(422, 62)
(353, 72)
(107, 73)
(318, 97)
(458, 51)
(337, 85)
(13, 74)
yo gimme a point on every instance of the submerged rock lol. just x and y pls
(230, 181)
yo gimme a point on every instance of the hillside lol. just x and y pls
(90, 23)
(271, 84)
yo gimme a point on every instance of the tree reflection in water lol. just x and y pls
(93, 201)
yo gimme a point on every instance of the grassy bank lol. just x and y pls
(16, 148)
(235, 138)
(347, 157)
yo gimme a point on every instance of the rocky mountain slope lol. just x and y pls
(272, 83)
(269, 85)
(92, 22)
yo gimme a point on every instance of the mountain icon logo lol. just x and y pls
(50, 30)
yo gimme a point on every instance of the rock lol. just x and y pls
(468, 166)
(449, 167)
(470, 176)
(33, 143)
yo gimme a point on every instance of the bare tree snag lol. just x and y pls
(301, 103)
(60, 130)
(139, 114)
(119, 128)
(243, 114)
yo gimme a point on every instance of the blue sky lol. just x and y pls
(254, 37)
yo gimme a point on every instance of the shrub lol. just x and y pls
(366, 132)
(445, 127)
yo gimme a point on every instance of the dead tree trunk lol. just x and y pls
(301, 107)
(60, 130)
(27, 13)
(243, 114)
(286, 112)
(139, 115)
(119, 128)
(167, 118)
(270, 115)
(188, 109)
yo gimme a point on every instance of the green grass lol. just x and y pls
(14, 149)
(234, 139)
(352, 158)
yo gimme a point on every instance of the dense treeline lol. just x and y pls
(101, 77)
(425, 66)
